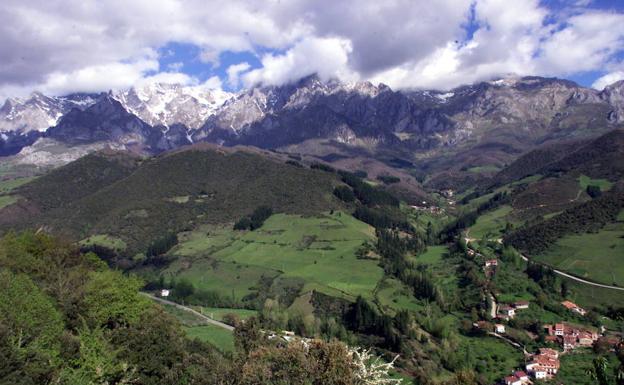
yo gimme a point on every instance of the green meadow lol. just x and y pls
(596, 256)
(491, 223)
(320, 250)
(585, 181)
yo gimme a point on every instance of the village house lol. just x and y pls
(164, 293)
(574, 307)
(521, 305)
(506, 312)
(543, 365)
(491, 262)
(517, 378)
(499, 328)
(570, 337)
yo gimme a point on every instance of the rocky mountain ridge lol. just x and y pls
(509, 115)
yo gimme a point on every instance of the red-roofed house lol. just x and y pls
(573, 307)
(513, 380)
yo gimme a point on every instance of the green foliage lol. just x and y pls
(31, 320)
(388, 179)
(255, 220)
(96, 362)
(589, 216)
(593, 191)
(162, 245)
(344, 193)
(112, 299)
(134, 203)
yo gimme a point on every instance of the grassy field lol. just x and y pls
(196, 327)
(484, 169)
(318, 249)
(392, 295)
(574, 368)
(6, 200)
(432, 255)
(489, 356)
(106, 241)
(221, 338)
(491, 223)
(219, 313)
(6, 186)
(585, 181)
(596, 256)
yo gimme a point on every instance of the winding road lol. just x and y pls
(559, 272)
(581, 280)
(188, 309)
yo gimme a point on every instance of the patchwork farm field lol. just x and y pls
(596, 256)
(7, 186)
(491, 223)
(319, 250)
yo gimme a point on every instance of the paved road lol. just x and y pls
(561, 273)
(188, 309)
(564, 274)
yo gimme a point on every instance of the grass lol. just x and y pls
(596, 256)
(106, 241)
(6, 200)
(6, 186)
(321, 250)
(432, 255)
(221, 338)
(196, 327)
(490, 223)
(219, 313)
(490, 357)
(484, 169)
(392, 295)
(574, 368)
(585, 181)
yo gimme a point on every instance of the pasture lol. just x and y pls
(595, 256)
(491, 223)
(321, 250)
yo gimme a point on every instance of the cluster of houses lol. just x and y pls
(540, 366)
(570, 337)
(508, 311)
(428, 208)
(574, 307)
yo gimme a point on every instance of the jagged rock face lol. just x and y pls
(169, 104)
(531, 102)
(346, 112)
(108, 121)
(614, 95)
(38, 112)
(510, 114)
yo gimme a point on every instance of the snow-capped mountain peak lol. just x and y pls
(168, 104)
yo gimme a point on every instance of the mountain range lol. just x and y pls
(488, 123)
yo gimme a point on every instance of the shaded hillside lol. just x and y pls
(601, 157)
(169, 193)
(587, 217)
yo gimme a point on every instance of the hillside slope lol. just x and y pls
(139, 201)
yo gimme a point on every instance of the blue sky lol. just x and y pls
(87, 45)
(189, 54)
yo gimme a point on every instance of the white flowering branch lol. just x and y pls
(370, 369)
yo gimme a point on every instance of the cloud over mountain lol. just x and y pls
(66, 46)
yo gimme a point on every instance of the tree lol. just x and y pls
(112, 299)
(31, 320)
(97, 362)
(599, 370)
(593, 191)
